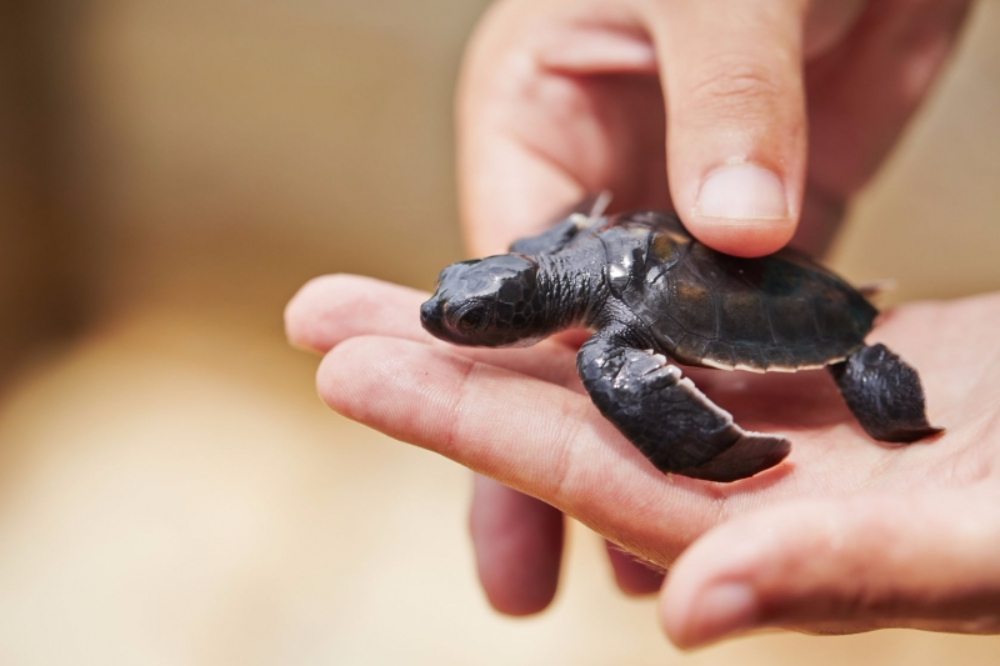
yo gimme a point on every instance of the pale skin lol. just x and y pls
(559, 98)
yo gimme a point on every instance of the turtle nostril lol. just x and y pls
(430, 312)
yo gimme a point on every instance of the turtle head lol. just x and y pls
(492, 302)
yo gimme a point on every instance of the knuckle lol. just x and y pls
(563, 99)
(734, 87)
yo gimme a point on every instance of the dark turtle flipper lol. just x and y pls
(551, 240)
(884, 393)
(571, 222)
(673, 423)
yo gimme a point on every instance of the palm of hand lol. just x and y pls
(520, 416)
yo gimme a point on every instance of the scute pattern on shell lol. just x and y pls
(782, 312)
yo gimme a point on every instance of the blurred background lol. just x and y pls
(171, 489)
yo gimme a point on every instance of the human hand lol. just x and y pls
(791, 104)
(848, 534)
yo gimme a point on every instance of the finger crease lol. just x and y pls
(563, 465)
(459, 410)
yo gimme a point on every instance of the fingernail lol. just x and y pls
(742, 192)
(721, 610)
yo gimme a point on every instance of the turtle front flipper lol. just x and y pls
(885, 394)
(667, 418)
(570, 223)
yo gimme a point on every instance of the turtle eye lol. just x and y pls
(472, 318)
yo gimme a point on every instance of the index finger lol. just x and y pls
(541, 439)
(540, 125)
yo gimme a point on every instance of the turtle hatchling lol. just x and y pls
(651, 292)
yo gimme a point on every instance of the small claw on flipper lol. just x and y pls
(752, 453)
(601, 202)
(590, 207)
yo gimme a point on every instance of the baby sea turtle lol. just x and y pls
(650, 291)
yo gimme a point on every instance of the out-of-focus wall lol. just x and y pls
(234, 149)
(931, 219)
(37, 297)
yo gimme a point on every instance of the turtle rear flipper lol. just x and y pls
(884, 393)
(667, 418)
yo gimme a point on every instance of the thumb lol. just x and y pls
(736, 118)
(840, 566)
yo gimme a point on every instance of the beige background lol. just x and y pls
(171, 490)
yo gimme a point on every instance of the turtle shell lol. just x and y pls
(780, 312)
